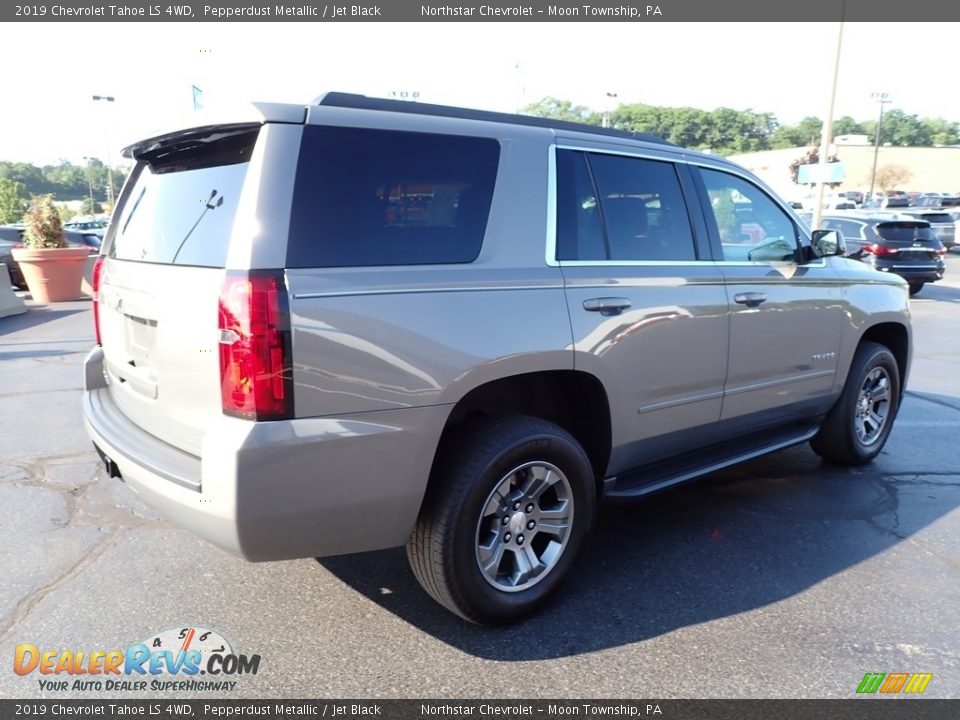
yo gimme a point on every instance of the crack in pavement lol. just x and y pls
(89, 502)
(27, 604)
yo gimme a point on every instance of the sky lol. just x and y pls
(783, 68)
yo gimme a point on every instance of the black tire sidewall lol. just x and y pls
(483, 600)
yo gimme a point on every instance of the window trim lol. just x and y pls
(693, 217)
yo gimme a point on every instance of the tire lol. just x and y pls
(479, 505)
(847, 437)
(915, 288)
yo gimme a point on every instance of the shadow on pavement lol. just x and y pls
(936, 291)
(21, 354)
(731, 542)
(37, 315)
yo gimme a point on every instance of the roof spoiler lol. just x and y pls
(244, 116)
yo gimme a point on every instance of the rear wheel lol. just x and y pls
(916, 287)
(509, 504)
(857, 427)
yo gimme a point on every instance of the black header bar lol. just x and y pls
(626, 11)
(865, 708)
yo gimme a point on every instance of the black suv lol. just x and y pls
(906, 247)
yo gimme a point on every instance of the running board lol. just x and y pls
(670, 472)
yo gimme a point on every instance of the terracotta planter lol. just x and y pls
(52, 274)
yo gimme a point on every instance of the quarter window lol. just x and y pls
(375, 197)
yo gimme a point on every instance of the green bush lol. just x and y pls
(44, 227)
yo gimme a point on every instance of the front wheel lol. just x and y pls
(856, 429)
(509, 504)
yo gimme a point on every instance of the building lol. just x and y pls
(931, 169)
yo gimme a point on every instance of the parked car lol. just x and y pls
(362, 324)
(938, 201)
(888, 243)
(10, 236)
(888, 201)
(855, 196)
(943, 223)
(92, 226)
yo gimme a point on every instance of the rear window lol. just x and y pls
(896, 233)
(377, 197)
(182, 203)
(937, 217)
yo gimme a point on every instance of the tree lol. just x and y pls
(889, 177)
(13, 201)
(846, 125)
(811, 158)
(551, 107)
(942, 132)
(89, 207)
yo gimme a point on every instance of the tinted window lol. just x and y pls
(181, 207)
(642, 209)
(376, 197)
(751, 226)
(579, 231)
(903, 233)
(937, 217)
(851, 229)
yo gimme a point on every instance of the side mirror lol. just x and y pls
(828, 242)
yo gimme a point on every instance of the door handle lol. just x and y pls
(606, 305)
(750, 299)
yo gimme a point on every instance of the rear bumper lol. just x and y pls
(276, 490)
(925, 272)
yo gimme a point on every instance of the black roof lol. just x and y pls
(362, 102)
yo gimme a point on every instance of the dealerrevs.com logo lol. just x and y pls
(184, 659)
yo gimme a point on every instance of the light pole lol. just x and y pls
(93, 203)
(827, 133)
(109, 99)
(611, 99)
(882, 98)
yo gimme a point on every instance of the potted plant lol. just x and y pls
(52, 269)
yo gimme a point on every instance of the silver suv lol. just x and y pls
(362, 324)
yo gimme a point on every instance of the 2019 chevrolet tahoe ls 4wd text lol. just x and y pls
(362, 324)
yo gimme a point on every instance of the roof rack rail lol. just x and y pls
(362, 102)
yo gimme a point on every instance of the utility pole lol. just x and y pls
(106, 134)
(827, 133)
(882, 98)
(89, 173)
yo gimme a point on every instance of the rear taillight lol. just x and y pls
(879, 250)
(95, 285)
(941, 251)
(256, 379)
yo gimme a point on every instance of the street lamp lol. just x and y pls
(93, 203)
(611, 99)
(109, 99)
(882, 98)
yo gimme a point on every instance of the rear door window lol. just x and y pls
(612, 207)
(183, 201)
(377, 197)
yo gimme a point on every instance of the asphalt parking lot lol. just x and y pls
(780, 578)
